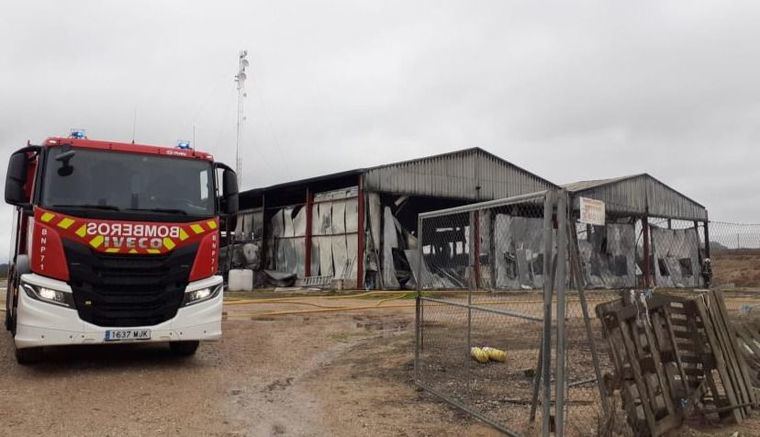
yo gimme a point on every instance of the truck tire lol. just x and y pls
(184, 348)
(10, 313)
(8, 320)
(29, 355)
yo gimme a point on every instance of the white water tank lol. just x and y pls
(240, 280)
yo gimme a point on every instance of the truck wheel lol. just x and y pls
(29, 355)
(10, 314)
(184, 348)
(8, 309)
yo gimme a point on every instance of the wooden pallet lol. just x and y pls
(748, 338)
(674, 356)
(646, 387)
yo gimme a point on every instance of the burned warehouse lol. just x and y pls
(358, 229)
(653, 235)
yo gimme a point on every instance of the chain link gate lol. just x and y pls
(501, 270)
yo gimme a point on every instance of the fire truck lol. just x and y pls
(115, 242)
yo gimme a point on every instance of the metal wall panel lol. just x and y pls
(455, 175)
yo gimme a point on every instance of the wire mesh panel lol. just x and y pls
(734, 252)
(500, 270)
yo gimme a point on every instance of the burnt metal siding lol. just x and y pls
(639, 195)
(455, 175)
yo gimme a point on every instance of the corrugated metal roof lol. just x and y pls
(585, 185)
(639, 194)
(455, 175)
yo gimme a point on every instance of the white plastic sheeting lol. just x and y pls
(608, 254)
(289, 242)
(676, 257)
(334, 236)
(390, 242)
(334, 227)
(374, 238)
(322, 225)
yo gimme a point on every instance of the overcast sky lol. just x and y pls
(568, 90)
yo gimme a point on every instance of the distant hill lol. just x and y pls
(714, 245)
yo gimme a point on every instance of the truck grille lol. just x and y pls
(127, 290)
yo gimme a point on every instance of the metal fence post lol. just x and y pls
(418, 302)
(471, 281)
(560, 282)
(547, 333)
(578, 280)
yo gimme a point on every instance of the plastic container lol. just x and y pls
(240, 280)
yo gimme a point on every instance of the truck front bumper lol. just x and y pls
(45, 324)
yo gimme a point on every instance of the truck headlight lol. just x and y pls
(45, 294)
(195, 296)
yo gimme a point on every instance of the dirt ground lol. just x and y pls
(328, 373)
(740, 268)
(282, 368)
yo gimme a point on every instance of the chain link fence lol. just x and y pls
(510, 273)
(734, 253)
(506, 266)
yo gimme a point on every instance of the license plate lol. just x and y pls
(127, 334)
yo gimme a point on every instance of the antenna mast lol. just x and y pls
(240, 81)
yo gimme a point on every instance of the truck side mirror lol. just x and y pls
(230, 192)
(15, 179)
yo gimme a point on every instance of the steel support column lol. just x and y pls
(361, 237)
(707, 238)
(264, 238)
(309, 231)
(647, 255)
(476, 241)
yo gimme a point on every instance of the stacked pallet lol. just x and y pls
(748, 336)
(674, 356)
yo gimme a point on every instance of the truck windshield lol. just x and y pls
(120, 181)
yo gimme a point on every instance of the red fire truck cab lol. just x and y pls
(115, 242)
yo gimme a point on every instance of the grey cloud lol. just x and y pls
(570, 90)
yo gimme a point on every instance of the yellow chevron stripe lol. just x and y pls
(132, 251)
(183, 235)
(97, 241)
(154, 251)
(211, 224)
(46, 217)
(82, 231)
(65, 223)
(112, 250)
(168, 243)
(198, 229)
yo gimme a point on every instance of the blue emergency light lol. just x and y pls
(78, 134)
(184, 145)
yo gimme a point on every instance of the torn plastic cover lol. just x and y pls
(676, 257)
(390, 242)
(518, 250)
(608, 254)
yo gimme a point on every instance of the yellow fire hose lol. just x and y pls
(321, 310)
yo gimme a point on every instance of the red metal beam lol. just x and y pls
(361, 236)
